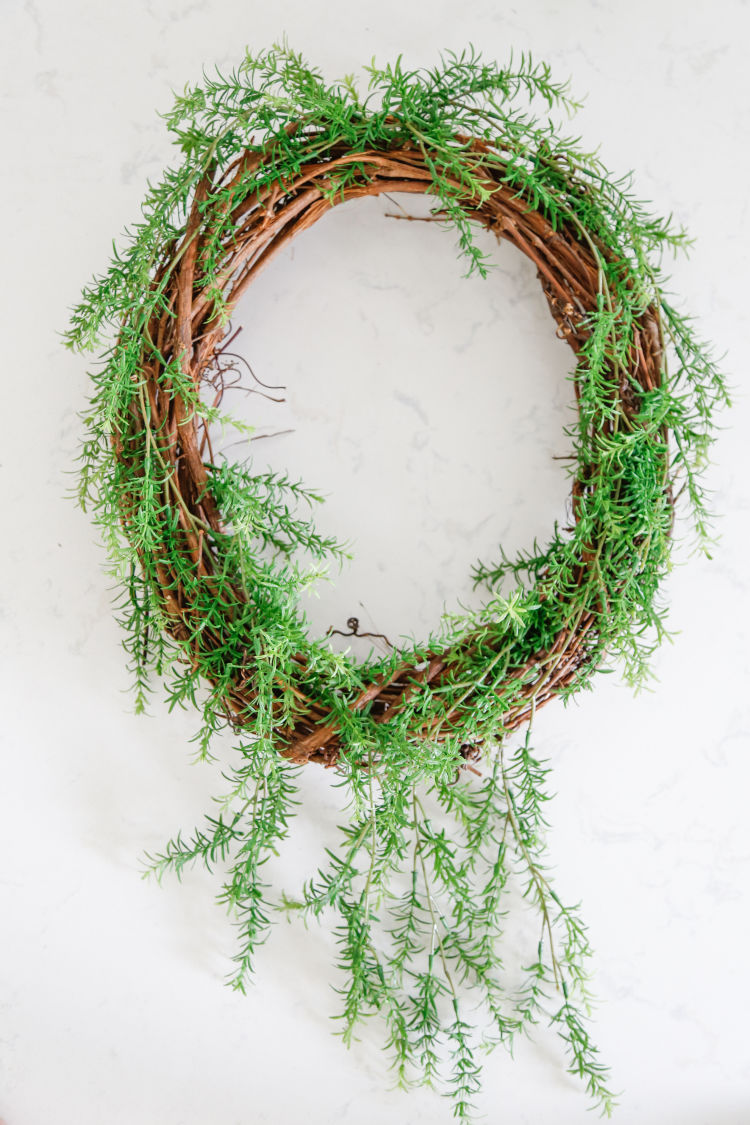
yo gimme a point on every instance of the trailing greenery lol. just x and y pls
(432, 856)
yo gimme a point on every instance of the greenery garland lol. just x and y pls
(212, 556)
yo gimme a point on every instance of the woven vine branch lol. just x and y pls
(213, 555)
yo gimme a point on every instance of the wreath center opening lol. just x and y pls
(428, 408)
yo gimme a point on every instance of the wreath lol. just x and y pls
(446, 810)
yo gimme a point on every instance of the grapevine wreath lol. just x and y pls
(445, 824)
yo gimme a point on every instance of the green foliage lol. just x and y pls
(431, 859)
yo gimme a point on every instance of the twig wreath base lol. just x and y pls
(213, 555)
(189, 328)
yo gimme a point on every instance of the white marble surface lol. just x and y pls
(111, 1002)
